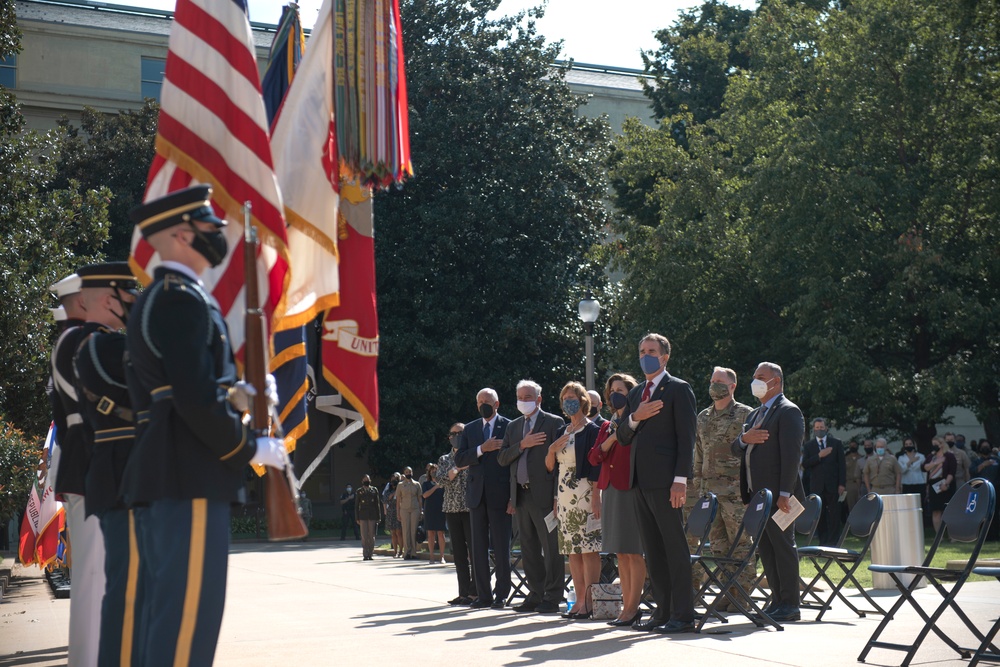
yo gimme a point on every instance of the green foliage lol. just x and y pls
(483, 255)
(838, 217)
(45, 234)
(10, 34)
(19, 458)
(112, 151)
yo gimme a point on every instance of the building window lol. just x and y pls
(152, 77)
(8, 71)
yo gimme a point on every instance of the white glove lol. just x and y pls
(242, 393)
(270, 452)
(271, 390)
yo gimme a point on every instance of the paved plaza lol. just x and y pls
(318, 603)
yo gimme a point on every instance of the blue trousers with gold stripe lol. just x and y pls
(123, 590)
(185, 545)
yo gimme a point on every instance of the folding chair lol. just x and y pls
(518, 581)
(988, 652)
(724, 571)
(966, 518)
(806, 524)
(862, 522)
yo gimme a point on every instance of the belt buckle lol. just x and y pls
(105, 405)
(523, 486)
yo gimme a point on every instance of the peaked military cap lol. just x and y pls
(190, 204)
(66, 287)
(58, 314)
(108, 274)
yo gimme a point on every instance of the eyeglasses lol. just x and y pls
(451, 433)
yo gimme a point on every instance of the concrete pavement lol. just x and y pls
(318, 603)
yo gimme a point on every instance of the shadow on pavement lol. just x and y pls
(34, 657)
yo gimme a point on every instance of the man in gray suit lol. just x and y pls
(769, 452)
(533, 490)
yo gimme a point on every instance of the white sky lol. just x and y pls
(594, 31)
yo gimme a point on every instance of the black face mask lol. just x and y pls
(910, 449)
(618, 401)
(366, 483)
(486, 410)
(593, 413)
(869, 450)
(126, 308)
(210, 245)
(409, 475)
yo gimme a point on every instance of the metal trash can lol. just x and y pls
(899, 539)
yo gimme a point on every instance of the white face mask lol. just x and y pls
(758, 388)
(526, 407)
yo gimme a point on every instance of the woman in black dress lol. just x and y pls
(434, 514)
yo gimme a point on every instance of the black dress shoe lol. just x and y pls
(648, 625)
(546, 607)
(675, 627)
(457, 601)
(626, 623)
(498, 604)
(480, 604)
(525, 607)
(786, 615)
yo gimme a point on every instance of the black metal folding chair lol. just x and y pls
(805, 525)
(724, 571)
(862, 522)
(700, 519)
(987, 651)
(966, 518)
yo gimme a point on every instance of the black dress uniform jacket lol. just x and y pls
(107, 415)
(75, 456)
(190, 442)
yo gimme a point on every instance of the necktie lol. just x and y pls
(822, 443)
(647, 391)
(486, 431)
(522, 461)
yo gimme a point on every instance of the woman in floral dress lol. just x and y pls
(575, 498)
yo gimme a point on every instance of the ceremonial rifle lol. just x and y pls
(281, 491)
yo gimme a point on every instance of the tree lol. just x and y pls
(45, 234)
(483, 254)
(19, 457)
(112, 151)
(855, 202)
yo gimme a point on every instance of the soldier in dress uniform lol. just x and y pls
(68, 314)
(85, 538)
(715, 467)
(192, 447)
(108, 292)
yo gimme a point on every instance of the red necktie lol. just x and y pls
(647, 391)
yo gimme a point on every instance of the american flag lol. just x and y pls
(213, 129)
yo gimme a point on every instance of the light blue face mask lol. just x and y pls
(649, 363)
(571, 406)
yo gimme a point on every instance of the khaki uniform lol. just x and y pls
(883, 473)
(854, 462)
(718, 471)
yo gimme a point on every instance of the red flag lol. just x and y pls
(350, 337)
(213, 129)
(43, 519)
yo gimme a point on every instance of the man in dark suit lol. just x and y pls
(660, 422)
(533, 489)
(823, 457)
(488, 495)
(769, 450)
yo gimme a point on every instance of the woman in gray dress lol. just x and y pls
(619, 523)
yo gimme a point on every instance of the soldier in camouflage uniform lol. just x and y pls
(716, 469)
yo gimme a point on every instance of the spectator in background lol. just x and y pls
(963, 463)
(392, 523)
(619, 523)
(912, 464)
(940, 480)
(347, 517)
(433, 496)
(853, 462)
(882, 472)
(596, 405)
(577, 505)
(369, 511)
(455, 481)
(408, 505)
(823, 457)
(985, 464)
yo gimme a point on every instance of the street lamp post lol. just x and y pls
(589, 309)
